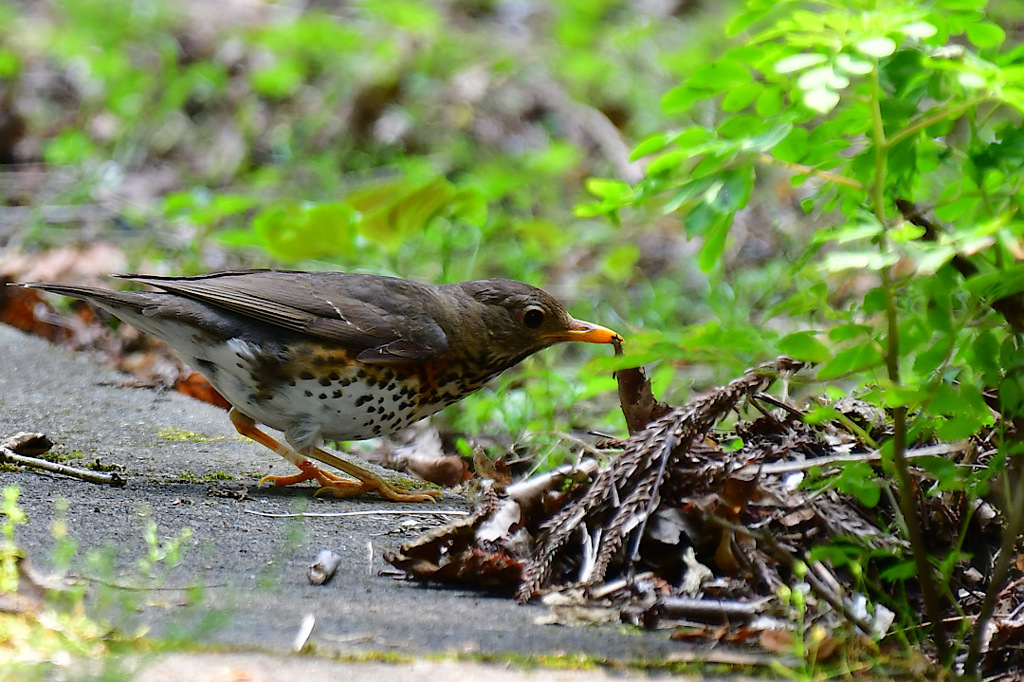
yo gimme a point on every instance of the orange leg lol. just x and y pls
(367, 481)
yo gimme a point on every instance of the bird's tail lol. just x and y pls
(116, 302)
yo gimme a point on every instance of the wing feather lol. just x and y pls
(388, 316)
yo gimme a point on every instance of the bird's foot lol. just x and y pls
(347, 487)
(311, 472)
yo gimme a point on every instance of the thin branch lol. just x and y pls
(874, 456)
(927, 121)
(8, 456)
(1011, 534)
(810, 170)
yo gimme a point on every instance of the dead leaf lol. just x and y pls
(777, 641)
(639, 406)
(496, 470)
(27, 444)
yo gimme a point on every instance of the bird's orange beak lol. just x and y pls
(585, 331)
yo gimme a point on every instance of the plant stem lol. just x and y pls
(1011, 532)
(810, 170)
(931, 120)
(907, 493)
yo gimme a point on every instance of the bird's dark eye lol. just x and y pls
(533, 317)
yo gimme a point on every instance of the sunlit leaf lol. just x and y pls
(858, 260)
(906, 232)
(929, 262)
(798, 62)
(851, 64)
(821, 99)
(876, 47)
(919, 30)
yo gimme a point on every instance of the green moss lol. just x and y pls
(174, 433)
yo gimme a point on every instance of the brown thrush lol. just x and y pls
(340, 356)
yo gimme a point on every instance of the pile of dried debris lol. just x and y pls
(735, 535)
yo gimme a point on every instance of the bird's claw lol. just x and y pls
(347, 487)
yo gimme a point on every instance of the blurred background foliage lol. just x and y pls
(438, 141)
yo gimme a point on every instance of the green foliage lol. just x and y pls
(9, 553)
(877, 112)
(865, 106)
(164, 555)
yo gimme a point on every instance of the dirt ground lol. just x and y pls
(250, 570)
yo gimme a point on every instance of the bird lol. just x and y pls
(339, 356)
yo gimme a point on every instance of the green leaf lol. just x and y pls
(293, 232)
(848, 332)
(858, 260)
(859, 480)
(919, 30)
(70, 147)
(668, 161)
(931, 260)
(614, 191)
(396, 219)
(679, 100)
(876, 47)
(984, 34)
(720, 75)
(906, 232)
(959, 427)
(817, 77)
(905, 570)
(863, 356)
(996, 285)
(714, 243)
(851, 64)
(769, 102)
(820, 414)
(685, 194)
(651, 144)
(798, 62)
(741, 96)
(929, 360)
(948, 475)
(822, 100)
(804, 346)
(743, 20)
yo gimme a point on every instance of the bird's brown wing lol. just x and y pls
(387, 318)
